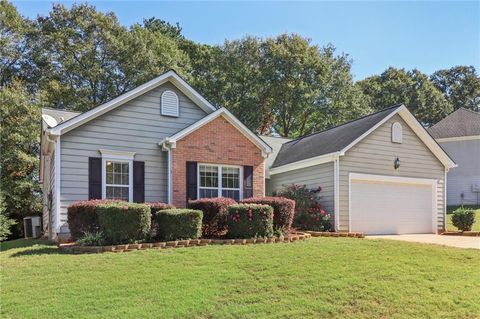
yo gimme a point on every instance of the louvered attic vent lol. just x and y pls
(169, 103)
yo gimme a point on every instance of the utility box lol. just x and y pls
(32, 226)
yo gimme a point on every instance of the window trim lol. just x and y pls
(117, 157)
(220, 172)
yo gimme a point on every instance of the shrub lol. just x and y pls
(283, 211)
(463, 218)
(309, 214)
(174, 224)
(250, 220)
(123, 222)
(214, 223)
(82, 217)
(92, 239)
(154, 208)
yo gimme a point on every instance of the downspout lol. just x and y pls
(170, 199)
(445, 201)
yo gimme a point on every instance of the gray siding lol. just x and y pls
(375, 155)
(466, 155)
(136, 126)
(313, 177)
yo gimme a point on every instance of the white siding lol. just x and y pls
(313, 177)
(375, 155)
(466, 155)
(136, 126)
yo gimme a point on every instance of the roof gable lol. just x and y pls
(170, 142)
(459, 123)
(170, 76)
(330, 144)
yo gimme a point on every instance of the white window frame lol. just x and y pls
(117, 157)
(220, 171)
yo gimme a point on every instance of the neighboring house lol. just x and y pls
(161, 141)
(459, 136)
(380, 174)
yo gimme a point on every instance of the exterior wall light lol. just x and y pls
(396, 163)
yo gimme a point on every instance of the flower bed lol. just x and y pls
(73, 248)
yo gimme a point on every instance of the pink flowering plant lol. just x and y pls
(214, 223)
(249, 221)
(309, 214)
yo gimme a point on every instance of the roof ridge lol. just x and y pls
(345, 123)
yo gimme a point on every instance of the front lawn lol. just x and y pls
(451, 209)
(318, 278)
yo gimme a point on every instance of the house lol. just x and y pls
(161, 141)
(459, 136)
(380, 174)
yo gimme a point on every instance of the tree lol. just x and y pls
(460, 85)
(19, 139)
(283, 84)
(88, 58)
(14, 48)
(6, 223)
(163, 27)
(411, 88)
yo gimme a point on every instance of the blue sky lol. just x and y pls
(425, 35)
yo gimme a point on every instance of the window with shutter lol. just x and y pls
(169, 103)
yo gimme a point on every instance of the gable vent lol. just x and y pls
(169, 103)
(397, 133)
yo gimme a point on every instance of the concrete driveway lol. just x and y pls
(444, 240)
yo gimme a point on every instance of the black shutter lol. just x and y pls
(247, 181)
(94, 178)
(138, 182)
(191, 180)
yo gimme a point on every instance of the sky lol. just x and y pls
(426, 35)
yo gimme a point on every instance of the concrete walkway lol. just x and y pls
(452, 241)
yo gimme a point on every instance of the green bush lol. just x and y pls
(92, 239)
(250, 220)
(82, 217)
(283, 211)
(174, 224)
(214, 223)
(123, 223)
(463, 218)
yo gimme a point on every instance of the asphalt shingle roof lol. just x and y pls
(330, 140)
(462, 122)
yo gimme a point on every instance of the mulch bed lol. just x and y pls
(460, 233)
(335, 234)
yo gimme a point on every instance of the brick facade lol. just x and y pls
(217, 142)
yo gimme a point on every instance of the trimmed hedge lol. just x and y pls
(283, 211)
(463, 218)
(250, 220)
(174, 224)
(122, 222)
(214, 223)
(83, 218)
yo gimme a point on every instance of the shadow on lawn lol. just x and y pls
(22, 243)
(53, 250)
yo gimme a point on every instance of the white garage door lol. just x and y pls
(391, 205)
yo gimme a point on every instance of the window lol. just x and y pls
(117, 174)
(397, 133)
(219, 181)
(117, 180)
(169, 104)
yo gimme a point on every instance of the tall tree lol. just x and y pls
(19, 138)
(14, 48)
(88, 58)
(460, 85)
(412, 88)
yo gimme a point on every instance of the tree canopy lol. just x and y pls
(77, 58)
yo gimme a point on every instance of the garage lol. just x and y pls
(392, 205)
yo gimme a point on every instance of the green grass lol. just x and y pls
(451, 209)
(318, 278)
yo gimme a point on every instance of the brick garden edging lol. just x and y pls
(72, 248)
(334, 234)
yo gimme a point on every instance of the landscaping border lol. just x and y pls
(460, 233)
(73, 248)
(334, 234)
